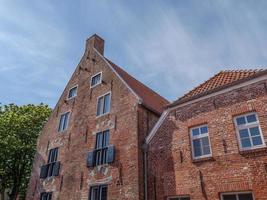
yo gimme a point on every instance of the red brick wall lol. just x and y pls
(229, 169)
(122, 176)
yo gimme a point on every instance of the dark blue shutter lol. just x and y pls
(43, 171)
(56, 169)
(111, 154)
(91, 159)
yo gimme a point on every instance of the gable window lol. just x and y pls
(72, 92)
(63, 122)
(96, 79)
(179, 198)
(46, 196)
(200, 141)
(103, 153)
(103, 104)
(99, 192)
(52, 166)
(101, 147)
(237, 196)
(249, 131)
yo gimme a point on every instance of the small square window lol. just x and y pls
(249, 131)
(73, 92)
(96, 79)
(63, 122)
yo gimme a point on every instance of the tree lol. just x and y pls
(19, 129)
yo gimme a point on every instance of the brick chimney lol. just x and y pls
(95, 42)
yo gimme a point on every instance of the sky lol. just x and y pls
(170, 45)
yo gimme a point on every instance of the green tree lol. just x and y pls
(19, 129)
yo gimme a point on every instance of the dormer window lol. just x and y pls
(73, 92)
(96, 79)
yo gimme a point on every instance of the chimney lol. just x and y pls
(95, 42)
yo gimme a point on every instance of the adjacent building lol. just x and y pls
(91, 146)
(211, 143)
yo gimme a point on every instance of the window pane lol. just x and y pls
(107, 103)
(195, 131)
(240, 120)
(94, 193)
(104, 193)
(65, 120)
(100, 106)
(245, 142)
(106, 138)
(204, 129)
(197, 147)
(206, 150)
(254, 131)
(229, 197)
(257, 140)
(61, 122)
(99, 138)
(245, 197)
(251, 118)
(205, 141)
(72, 92)
(243, 133)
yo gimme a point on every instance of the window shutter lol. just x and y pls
(43, 171)
(111, 154)
(91, 159)
(56, 169)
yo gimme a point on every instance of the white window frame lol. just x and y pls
(198, 137)
(76, 86)
(67, 125)
(247, 126)
(103, 104)
(236, 193)
(183, 196)
(92, 86)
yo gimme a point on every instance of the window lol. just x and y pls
(180, 198)
(200, 142)
(46, 196)
(99, 192)
(96, 79)
(237, 196)
(63, 122)
(73, 92)
(52, 167)
(249, 131)
(52, 159)
(103, 104)
(101, 147)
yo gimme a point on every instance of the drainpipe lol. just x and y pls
(145, 150)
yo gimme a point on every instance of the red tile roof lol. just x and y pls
(219, 81)
(150, 99)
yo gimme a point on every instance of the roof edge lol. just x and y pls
(178, 102)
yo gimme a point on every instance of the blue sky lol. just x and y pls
(171, 46)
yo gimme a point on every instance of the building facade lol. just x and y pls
(211, 143)
(91, 146)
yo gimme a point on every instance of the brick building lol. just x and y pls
(91, 146)
(111, 137)
(211, 143)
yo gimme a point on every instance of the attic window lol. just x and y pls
(96, 79)
(73, 92)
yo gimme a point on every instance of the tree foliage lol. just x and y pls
(19, 129)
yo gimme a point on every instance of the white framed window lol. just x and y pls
(249, 131)
(63, 122)
(179, 198)
(96, 79)
(200, 142)
(73, 92)
(237, 196)
(103, 104)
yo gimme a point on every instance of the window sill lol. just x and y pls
(103, 116)
(198, 160)
(254, 152)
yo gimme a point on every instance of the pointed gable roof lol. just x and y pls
(220, 81)
(149, 98)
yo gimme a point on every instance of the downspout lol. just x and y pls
(145, 151)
